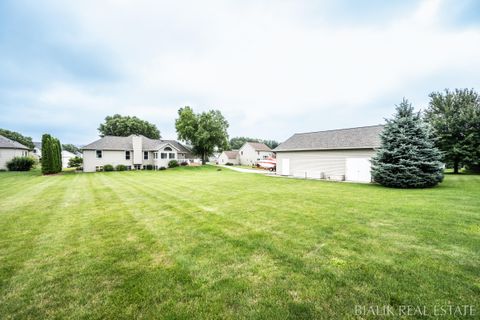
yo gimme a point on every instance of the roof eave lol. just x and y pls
(326, 149)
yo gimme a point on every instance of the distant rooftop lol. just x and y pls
(6, 143)
(259, 146)
(125, 143)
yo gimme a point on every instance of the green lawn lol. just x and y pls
(202, 243)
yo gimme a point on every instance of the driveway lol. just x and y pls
(247, 170)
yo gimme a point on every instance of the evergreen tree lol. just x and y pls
(51, 155)
(407, 157)
(59, 154)
(46, 154)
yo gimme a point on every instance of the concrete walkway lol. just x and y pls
(244, 170)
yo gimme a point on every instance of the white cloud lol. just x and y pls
(260, 63)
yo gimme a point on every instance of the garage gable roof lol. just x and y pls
(350, 138)
(231, 154)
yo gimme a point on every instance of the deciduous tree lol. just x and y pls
(123, 126)
(205, 131)
(455, 119)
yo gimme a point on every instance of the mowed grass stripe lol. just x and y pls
(198, 243)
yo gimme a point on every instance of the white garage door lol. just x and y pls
(357, 169)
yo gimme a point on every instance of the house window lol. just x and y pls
(99, 168)
(127, 155)
(241, 152)
(129, 167)
(167, 149)
(163, 155)
(171, 155)
(138, 166)
(145, 155)
(155, 155)
(99, 154)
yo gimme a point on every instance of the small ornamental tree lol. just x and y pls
(407, 157)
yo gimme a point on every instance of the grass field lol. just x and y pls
(202, 243)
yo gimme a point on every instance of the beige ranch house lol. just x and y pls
(10, 149)
(135, 152)
(342, 154)
(252, 152)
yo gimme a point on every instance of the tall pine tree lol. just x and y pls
(407, 157)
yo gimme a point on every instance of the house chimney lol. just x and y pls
(137, 149)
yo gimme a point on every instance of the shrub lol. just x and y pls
(20, 164)
(75, 162)
(3, 170)
(148, 167)
(184, 163)
(172, 163)
(473, 168)
(162, 168)
(80, 168)
(121, 167)
(108, 167)
(229, 164)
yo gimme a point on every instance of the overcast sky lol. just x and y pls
(273, 68)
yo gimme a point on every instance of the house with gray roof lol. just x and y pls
(10, 149)
(252, 152)
(342, 154)
(134, 151)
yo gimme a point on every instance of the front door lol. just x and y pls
(285, 167)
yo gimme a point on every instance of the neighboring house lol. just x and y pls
(37, 150)
(229, 157)
(252, 152)
(214, 157)
(66, 156)
(10, 149)
(342, 154)
(134, 151)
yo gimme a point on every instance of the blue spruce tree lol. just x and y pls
(407, 157)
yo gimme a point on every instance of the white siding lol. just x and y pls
(249, 156)
(8, 154)
(113, 157)
(223, 159)
(320, 164)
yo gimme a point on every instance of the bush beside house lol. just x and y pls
(20, 164)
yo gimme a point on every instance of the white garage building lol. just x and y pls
(342, 154)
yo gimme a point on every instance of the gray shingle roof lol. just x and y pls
(231, 154)
(125, 143)
(258, 146)
(351, 138)
(6, 143)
